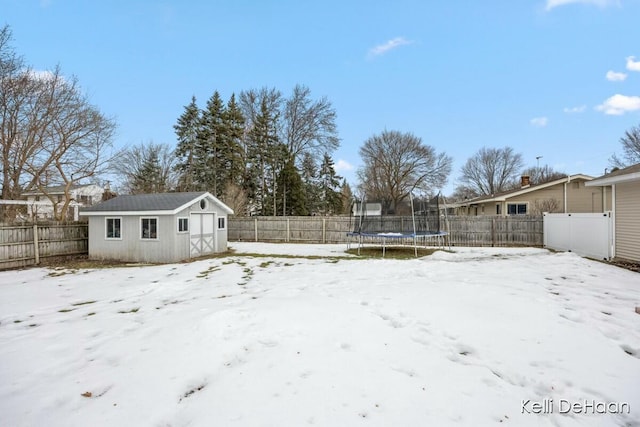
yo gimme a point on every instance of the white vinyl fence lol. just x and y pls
(587, 234)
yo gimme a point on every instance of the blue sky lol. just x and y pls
(553, 78)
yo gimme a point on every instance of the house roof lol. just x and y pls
(631, 173)
(56, 189)
(503, 196)
(156, 204)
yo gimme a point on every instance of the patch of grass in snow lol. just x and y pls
(248, 273)
(83, 303)
(266, 264)
(133, 310)
(392, 252)
(290, 256)
(66, 310)
(204, 274)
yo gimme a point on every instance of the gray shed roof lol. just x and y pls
(158, 203)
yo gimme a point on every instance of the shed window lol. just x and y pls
(516, 208)
(149, 228)
(183, 225)
(221, 223)
(114, 228)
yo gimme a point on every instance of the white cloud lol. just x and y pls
(619, 104)
(614, 76)
(387, 46)
(539, 122)
(342, 166)
(633, 65)
(601, 3)
(574, 110)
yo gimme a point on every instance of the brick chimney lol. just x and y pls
(525, 181)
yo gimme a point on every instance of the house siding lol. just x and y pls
(582, 199)
(579, 199)
(627, 219)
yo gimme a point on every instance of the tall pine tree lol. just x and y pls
(188, 166)
(291, 195)
(329, 181)
(210, 145)
(234, 123)
(264, 157)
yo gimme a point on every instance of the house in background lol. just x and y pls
(625, 190)
(565, 195)
(40, 205)
(157, 228)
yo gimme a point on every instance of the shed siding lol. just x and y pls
(170, 246)
(132, 247)
(628, 221)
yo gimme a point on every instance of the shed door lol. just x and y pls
(202, 239)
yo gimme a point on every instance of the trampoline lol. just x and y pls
(368, 225)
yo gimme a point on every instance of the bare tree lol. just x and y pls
(491, 170)
(395, 164)
(542, 174)
(51, 134)
(309, 126)
(630, 149)
(236, 198)
(146, 168)
(550, 205)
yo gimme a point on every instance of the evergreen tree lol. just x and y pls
(329, 181)
(346, 195)
(234, 123)
(309, 175)
(291, 200)
(265, 155)
(210, 146)
(188, 165)
(149, 179)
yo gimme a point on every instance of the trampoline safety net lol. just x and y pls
(367, 219)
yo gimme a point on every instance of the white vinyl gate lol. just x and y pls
(202, 234)
(587, 234)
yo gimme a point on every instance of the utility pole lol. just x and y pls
(538, 160)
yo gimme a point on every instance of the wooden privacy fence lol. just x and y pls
(23, 245)
(517, 230)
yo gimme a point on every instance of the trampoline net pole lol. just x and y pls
(413, 218)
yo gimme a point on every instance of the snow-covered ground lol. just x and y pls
(479, 337)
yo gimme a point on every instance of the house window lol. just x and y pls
(221, 223)
(183, 225)
(498, 209)
(149, 228)
(516, 208)
(114, 227)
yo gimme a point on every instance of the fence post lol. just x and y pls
(493, 232)
(36, 249)
(288, 238)
(255, 229)
(324, 230)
